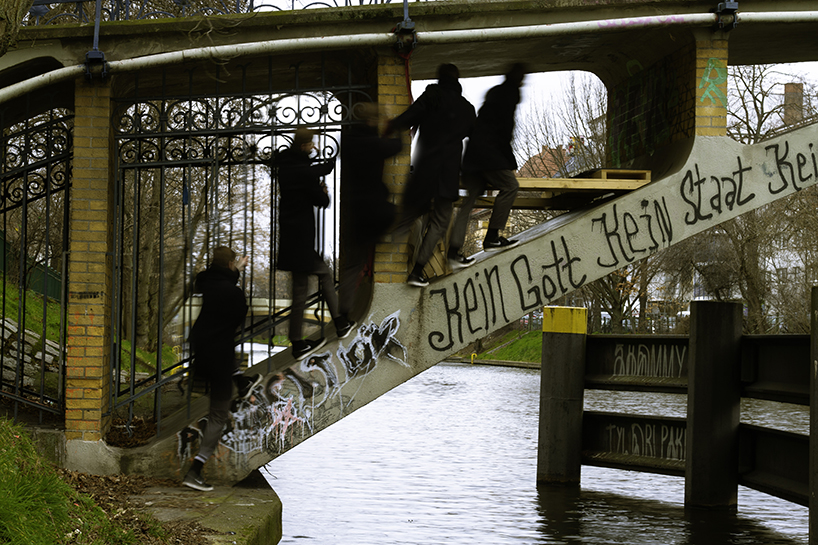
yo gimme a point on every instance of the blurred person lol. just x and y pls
(369, 212)
(302, 189)
(212, 341)
(489, 163)
(443, 118)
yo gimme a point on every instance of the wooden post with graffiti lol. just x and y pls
(562, 388)
(713, 404)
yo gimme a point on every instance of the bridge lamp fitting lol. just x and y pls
(727, 13)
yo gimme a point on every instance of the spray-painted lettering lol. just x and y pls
(654, 361)
(642, 439)
(721, 193)
(804, 169)
(480, 295)
(630, 236)
(713, 79)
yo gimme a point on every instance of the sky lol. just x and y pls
(553, 84)
(475, 89)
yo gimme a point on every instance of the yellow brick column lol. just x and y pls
(89, 276)
(392, 254)
(711, 83)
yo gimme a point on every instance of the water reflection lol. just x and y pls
(450, 457)
(571, 516)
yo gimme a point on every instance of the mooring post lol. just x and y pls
(813, 419)
(713, 405)
(562, 388)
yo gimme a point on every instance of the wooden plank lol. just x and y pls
(580, 184)
(568, 193)
(606, 178)
(565, 201)
(619, 174)
(438, 264)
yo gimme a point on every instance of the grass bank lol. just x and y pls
(37, 507)
(515, 345)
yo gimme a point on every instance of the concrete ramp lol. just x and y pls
(408, 329)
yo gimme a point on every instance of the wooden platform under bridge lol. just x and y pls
(554, 194)
(570, 193)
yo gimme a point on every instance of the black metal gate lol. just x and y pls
(35, 176)
(193, 147)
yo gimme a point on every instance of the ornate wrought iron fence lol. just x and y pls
(35, 175)
(193, 152)
(45, 12)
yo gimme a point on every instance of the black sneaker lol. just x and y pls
(246, 384)
(459, 261)
(499, 243)
(196, 481)
(302, 349)
(344, 326)
(417, 280)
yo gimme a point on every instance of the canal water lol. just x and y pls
(450, 457)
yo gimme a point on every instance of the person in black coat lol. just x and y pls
(489, 163)
(444, 118)
(301, 190)
(368, 212)
(212, 345)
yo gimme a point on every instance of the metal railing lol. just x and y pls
(193, 159)
(61, 12)
(35, 178)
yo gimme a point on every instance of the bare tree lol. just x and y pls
(734, 260)
(564, 138)
(12, 13)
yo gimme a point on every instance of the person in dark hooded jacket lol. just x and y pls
(301, 189)
(369, 212)
(489, 163)
(444, 118)
(212, 344)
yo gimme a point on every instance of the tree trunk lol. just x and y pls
(11, 17)
(643, 296)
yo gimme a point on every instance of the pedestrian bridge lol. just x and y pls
(134, 121)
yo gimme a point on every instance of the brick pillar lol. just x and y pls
(89, 272)
(711, 83)
(392, 254)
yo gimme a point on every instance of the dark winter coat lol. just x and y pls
(299, 182)
(489, 146)
(444, 119)
(366, 198)
(223, 310)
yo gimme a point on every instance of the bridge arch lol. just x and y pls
(651, 128)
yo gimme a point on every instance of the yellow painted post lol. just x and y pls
(562, 389)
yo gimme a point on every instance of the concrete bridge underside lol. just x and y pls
(663, 68)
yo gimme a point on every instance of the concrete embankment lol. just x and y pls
(248, 513)
(498, 363)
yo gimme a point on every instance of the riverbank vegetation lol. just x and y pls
(514, 345)
(43, 505)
